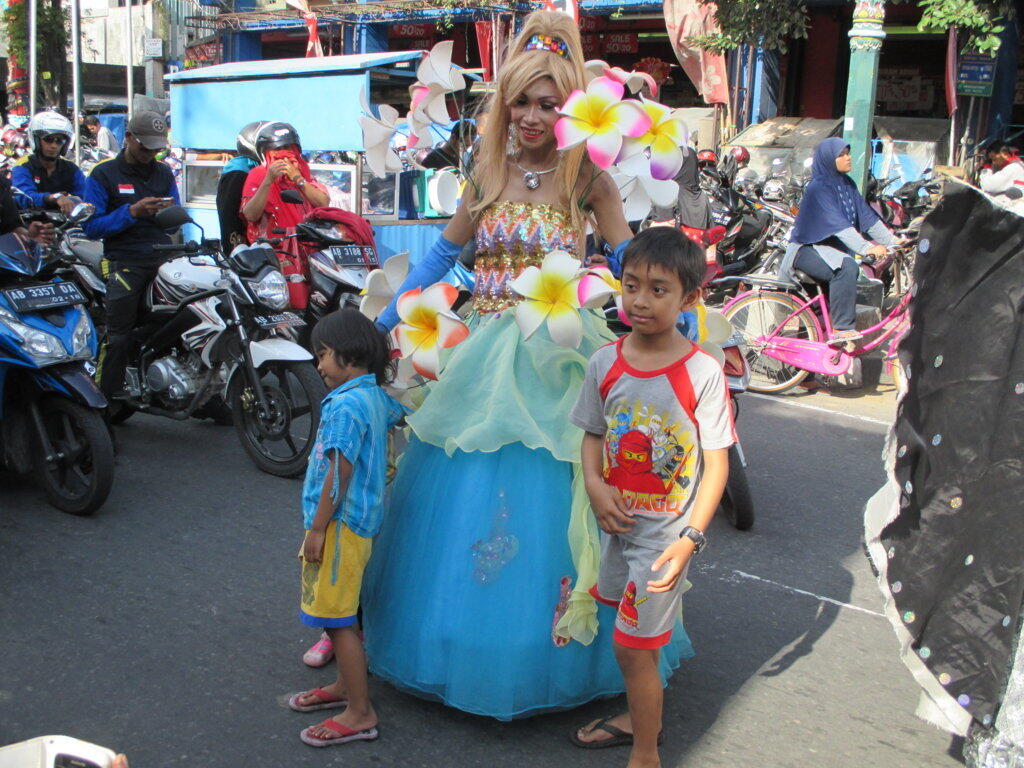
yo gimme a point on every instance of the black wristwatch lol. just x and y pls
(697, 537)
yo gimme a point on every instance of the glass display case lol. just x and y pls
(378, 200)
(199, 182)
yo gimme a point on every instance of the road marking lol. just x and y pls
(808, 407)
(795, 590)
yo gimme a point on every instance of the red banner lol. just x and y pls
(591, 23)
(591, 45)
(621, 42)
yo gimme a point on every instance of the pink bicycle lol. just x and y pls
(787, 330)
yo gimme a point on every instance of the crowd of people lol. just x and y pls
(604, 463)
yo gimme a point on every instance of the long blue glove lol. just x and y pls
(615, 258)
(431, 268)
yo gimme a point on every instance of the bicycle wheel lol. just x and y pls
(758, 315)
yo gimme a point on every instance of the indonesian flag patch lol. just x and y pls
(126, 189)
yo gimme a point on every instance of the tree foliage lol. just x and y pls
(52, 41)
(771, 24)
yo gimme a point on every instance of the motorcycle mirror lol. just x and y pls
(292, 196)
(172, 216)
(81, 212)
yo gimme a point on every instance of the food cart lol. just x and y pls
(320, 97)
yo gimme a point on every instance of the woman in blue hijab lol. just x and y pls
(829, 233)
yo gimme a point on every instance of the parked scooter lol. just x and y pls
(215, 325)
(51, 419)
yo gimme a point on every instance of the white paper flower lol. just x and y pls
(377, 136)
(382, 284)
(640, 191)
(436, 68)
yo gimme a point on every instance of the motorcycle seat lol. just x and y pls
(89, 252)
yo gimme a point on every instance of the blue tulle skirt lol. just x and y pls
(462, 588)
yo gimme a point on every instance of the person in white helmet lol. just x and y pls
(46, 178)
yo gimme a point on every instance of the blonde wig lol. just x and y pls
(519, 71)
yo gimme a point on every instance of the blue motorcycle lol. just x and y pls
(51, 412)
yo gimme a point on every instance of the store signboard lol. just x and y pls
(591, 45)
(412, 30)
(621, 42)
(905, 89)
(975, 74)
(152, 48)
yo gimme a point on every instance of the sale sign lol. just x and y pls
(621, 42)
(412, 30)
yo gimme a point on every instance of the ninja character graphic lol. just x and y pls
(627, 607)
(634, 468)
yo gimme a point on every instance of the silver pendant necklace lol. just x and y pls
(532, 178)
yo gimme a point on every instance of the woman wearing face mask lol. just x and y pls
(283, 167)
(477, 594)
(829, 233)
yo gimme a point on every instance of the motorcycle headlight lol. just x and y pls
(271, 290)
(82, 339)
(44, 348)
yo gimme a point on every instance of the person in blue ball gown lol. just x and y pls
(478, 590)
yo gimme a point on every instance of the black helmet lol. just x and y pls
(274, 136)
(246, 139)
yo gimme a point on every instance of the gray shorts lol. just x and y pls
(644, 620)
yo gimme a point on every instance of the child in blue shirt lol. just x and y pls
(342, 507)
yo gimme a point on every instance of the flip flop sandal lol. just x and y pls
(326, 701)
(619, 738)
(346, 734)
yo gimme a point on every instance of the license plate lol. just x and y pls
(288, 319)
(354, 255)
(35, 298)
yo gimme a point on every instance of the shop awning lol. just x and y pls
(288, 67)
(319, 96)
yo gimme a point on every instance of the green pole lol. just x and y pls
(865, 43)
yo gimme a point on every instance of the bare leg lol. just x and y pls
(645, 696)
(350, 657)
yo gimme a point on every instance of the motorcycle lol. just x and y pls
(213, 326)
(747, 229)
(51, 420)
(338, 267)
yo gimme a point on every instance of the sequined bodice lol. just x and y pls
(512, 236)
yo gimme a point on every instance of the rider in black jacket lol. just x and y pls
(128, 191)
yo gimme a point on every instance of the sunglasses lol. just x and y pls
(55, 139)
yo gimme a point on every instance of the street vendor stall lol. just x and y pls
(321, 98)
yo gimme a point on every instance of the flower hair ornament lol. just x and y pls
(547, 43)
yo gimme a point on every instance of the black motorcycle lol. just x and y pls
(215, 327)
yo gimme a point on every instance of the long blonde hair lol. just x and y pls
(521, 69)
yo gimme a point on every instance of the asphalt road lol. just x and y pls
(165, 625)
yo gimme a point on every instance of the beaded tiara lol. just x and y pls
(547, 43)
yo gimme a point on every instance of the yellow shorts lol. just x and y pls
(330, 588)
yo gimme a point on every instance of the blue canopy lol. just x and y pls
(319, 96)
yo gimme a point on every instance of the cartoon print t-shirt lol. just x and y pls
(655, 425)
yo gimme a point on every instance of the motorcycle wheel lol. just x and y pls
(759, 314)
(737, 503)
(280, 443)
(79, 481)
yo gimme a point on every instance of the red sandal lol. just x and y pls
(345, 735)
(327, 701)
